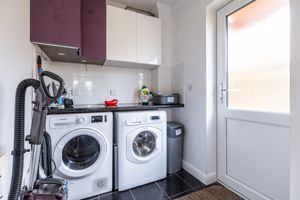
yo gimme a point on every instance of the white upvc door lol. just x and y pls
(253, 98)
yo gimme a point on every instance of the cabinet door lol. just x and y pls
(55, 22)
(93, 29)
(148, 40)
(121, 34)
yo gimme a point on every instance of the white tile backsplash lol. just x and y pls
(178, 81)
(161, 80)
(93, 84)
(165, 86)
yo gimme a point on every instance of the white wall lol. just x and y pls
(189, 52)
(16, 64)
(295, 102)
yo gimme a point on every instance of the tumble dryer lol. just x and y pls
(82, 152)
(141, 141)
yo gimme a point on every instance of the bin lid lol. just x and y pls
(174, 125)
(174, 129)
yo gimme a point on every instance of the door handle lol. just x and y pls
(221, 90)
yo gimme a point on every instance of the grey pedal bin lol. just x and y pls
(175, 133)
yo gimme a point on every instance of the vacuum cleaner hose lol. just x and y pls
(18, 152)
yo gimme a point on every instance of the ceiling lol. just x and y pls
(147, 5)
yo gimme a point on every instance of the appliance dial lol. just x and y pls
(145, 119)
(81, 120)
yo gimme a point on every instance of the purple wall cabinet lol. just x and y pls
(56, 22)
(64, 26)
(93, 33)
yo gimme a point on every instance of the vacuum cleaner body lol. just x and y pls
(47, 188)
(50, 188)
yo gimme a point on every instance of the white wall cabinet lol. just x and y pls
(121, 34)
(133, 40)
(148, 40)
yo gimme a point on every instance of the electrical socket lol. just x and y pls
(112, 93)
(75, 92)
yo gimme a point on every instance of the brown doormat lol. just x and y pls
(214, 192)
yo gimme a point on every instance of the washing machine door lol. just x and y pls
(80, 152)
(144, 145)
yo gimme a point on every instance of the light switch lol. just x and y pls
(190, 87)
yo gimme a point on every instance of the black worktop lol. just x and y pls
(103, 108)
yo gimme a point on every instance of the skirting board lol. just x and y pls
(204, 178)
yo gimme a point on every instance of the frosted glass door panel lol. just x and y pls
(259, 57)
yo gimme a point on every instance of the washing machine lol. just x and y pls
(141, 142)
(82, 152)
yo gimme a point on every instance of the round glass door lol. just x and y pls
(81, 152)
(144, 144)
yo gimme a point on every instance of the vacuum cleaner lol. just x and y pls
(37, 188)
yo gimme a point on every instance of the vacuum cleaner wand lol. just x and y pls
(44, 98)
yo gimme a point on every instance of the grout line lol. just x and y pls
(108, 193)
(190, 189)
(132, 194)
(162, 190)
(104, 195)
(185, 181)
(194, 188)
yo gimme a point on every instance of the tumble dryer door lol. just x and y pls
(144, 144)
(80, 152)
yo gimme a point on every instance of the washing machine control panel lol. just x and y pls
(154, 118)
(143, 120)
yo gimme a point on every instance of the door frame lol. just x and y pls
(295, 102)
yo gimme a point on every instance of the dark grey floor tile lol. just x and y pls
(175, 172)
(183, 194)
(173, 185)
(148, 192)
(126, 195)
(191, 180)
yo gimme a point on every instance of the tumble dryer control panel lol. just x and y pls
(68, 121)
(99, 119)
